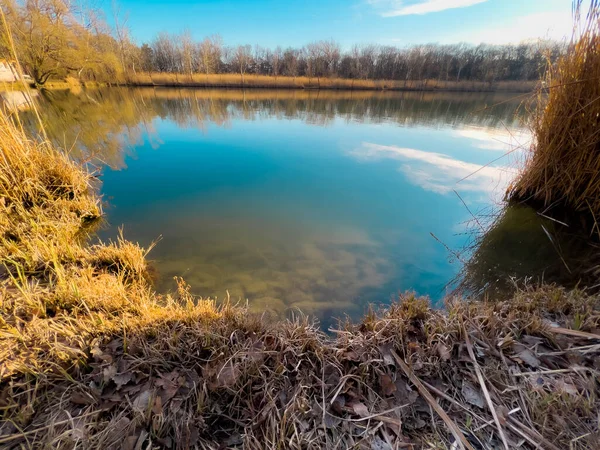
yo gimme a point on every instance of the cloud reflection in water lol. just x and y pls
(438, 172)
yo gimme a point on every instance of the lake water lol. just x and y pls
(317, 201)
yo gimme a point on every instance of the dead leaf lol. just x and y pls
(166, 442)
(119, 426)
(338, 404)
(82, 398)
(228, 375)
(404, 394)
(472, 395)
(109, 372)
(566, 387)
(386, 353)
(304, 425)
(122, 379)
(141, 439)
(7, 428)
(502, 413)
(157, 407)
(360, 409)
(531, 340)
(169, 384)
(415, 423)
(331, 421)
(256, 353)
(443, 351)
(352, 356)
(379, 444)
(528, 358)
(97, 353)
(387, 385)
(175, 405)
(525, 355)
(115, 345)
(233, 440)
(129, 443)
(142, 401)
(193, 434)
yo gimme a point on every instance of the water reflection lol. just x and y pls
(321, 201)
(102, 124)
(498, 139)
(17, 100)
(521, 246)
(440, 173)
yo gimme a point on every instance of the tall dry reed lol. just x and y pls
(564, 167)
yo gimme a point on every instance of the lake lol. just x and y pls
(321, 202)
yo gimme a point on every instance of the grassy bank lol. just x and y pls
(92, 357)
(270, 82)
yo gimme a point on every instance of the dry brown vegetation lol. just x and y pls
(91, 357)
(564, 167)
(284, 82)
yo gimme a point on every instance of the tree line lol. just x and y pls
(55, 39)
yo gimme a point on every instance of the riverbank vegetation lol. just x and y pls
(56, 39)
(232, 80)
(563, 171)
(91, 356)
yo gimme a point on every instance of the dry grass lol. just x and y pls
(91, 357)
(264, 81)
(564, 167)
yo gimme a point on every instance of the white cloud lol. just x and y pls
(555, 25)
(395, 8)
(440, 173)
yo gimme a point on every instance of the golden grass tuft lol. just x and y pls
(564, 166)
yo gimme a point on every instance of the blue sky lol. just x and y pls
(395, 22)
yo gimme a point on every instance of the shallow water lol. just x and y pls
(318, 201)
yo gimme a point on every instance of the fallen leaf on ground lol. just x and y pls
(338, 404)
(528, 358)
(386, 353)
(472, 394)
(228, 375)
(443, 351)
(169, 384)
(109, 372)
(387, 385)
(82, 398)
(122, 379)
(360, 409)
(502, 413)
(142, 401)
(379, 444)
(157, 407)
(332, 421)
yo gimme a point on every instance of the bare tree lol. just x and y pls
(166, 53)
(211, 49)
(242, 57)
(187, 52)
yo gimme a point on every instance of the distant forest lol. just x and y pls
(55, 39)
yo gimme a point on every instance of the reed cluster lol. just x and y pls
(564, 165)
(250, 81)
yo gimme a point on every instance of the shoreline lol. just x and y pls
(230, 81)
